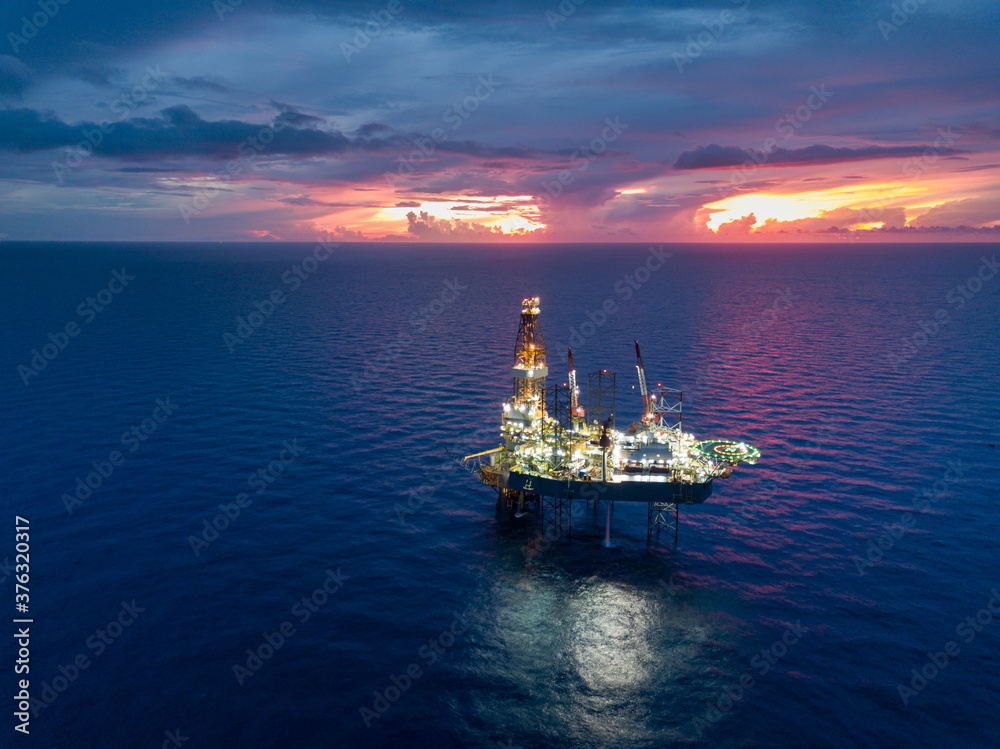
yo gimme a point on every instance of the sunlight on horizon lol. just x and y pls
(510, 213)
(811, 204)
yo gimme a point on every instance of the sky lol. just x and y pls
(520, 121)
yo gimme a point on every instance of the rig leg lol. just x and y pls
(662, 516)
(556, 515)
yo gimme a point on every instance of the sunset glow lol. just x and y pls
(271, 123)
(812, 204)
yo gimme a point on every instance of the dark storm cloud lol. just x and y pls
(180, 132)
(714, 156)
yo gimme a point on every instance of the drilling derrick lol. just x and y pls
(529, 369)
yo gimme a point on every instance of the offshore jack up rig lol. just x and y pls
(551, 455)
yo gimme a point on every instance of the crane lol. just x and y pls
(647, 414)
(655, 405)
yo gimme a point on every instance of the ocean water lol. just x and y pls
(821, 598)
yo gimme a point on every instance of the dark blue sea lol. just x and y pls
(245, 529)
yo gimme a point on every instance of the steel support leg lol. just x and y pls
(557, 516)
(661, 516)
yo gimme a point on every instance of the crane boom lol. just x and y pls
(642, 382)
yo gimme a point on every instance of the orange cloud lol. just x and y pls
(427, 227)
(738, 226)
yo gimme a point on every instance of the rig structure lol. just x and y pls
(551, 455)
